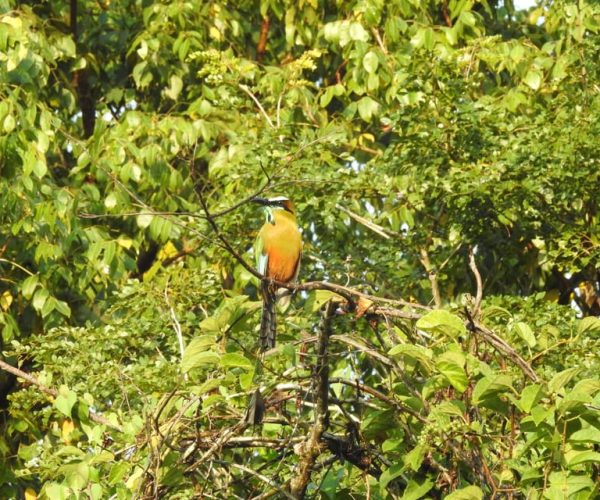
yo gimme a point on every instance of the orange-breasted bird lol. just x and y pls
(278, 249)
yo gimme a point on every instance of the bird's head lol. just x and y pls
(277, 203)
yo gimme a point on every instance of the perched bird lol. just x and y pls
(278, 249)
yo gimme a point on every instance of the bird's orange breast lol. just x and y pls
(282, 243)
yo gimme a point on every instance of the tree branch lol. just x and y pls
(435, 288)
(99, 419)
(376, 228)
(262, 39)
(376, 394)
(499, 344)
(479, 294)
(224, 241)
(262, 477)
(313, 446)
(258, 104)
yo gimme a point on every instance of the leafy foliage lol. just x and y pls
(426, 145)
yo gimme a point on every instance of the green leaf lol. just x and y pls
(392, 444)
(76, 475)
(533, 79)
(524, 331)
(390, 474)
(65, 400)
(175, 87)
(196, 356)
(110, 201)
(63, 308)
(118, 472)
(441, 322)
(530, 396)
(357, 32)
(587, 435)
(413, 351)
(28, 286)
(491, 385)
(246, 379)
(589, 324)
(562, 378)
(449, 364)
(233, 359)
(416, 491)
(414, 458)
(467, 18)
(39, 299)
(371, 62)
(367, 107)
(39, 167)
(468, 493)
(9, 124)
(565, 485)
(207, 386)
(318, 298)
(55, 491)
(144, 220)
(582, 458)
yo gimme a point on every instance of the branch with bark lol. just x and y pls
(49, 391)
(310, 450)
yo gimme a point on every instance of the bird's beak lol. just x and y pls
(260, 201)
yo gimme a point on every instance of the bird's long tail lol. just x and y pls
(268, 320)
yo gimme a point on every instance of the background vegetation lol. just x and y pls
(444, 159)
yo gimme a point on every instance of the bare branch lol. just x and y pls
(435, 289)
(379, 40)
(362, 348)
(18, 266)
(176, 324)
(258, 104)
(224, 240)
(376, 394)
(262, 40)
(309, 450)
(499, 344)
(376, 228)
(262, 477)
(219, 443)
(479, 294)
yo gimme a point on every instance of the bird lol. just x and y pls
(278, 249)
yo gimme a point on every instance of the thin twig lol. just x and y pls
(435, 288)
(224, 240)
(500, 345)
(479, 294)
(363, 348)
(376, 228)
(379, 41)
(27, 271)
(257, 102)
(376, 394)
(154, 213)
(227, 434)
(176, 324)
(262, 477)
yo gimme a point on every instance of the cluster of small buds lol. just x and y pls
(437, 433)
(214, 64)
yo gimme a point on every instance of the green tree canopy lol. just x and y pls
(443, 158)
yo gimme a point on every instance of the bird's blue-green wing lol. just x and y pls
(262, 259)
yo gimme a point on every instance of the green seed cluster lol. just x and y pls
(437, 433)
